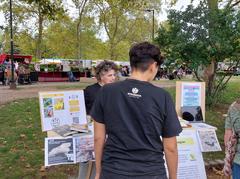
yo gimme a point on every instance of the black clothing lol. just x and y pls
(110, 175)
(90, 94)
(135, 114)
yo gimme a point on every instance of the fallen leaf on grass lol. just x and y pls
(28, 165)
(13, 149)
(22, 135)
(42, 169)
(29, 126)
(22, 158)
(218, 172)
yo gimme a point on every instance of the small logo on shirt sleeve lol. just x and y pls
(134, 93)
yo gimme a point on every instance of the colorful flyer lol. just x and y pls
(191, 94)
(62, 107)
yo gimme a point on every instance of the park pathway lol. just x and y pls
(31, 91)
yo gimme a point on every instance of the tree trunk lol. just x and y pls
(78, 50)
(111, 50)
(209, 77)
(210, 71)
(81, 8)
(40, 31)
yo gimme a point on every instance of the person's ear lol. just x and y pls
(153, 66)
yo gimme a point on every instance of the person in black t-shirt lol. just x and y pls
(140, 122)
(105, 73)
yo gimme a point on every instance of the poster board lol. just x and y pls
(59, 150)
(190, 94)
(69, 150)
(190, 159)
(58, 108)
(208, 140)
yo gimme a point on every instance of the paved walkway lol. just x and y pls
(31, 91)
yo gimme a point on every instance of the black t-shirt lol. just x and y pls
(135, 114)
(90, 94)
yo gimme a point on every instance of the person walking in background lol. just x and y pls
(140, 122)
(232, 124)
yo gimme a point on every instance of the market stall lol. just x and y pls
(21, 67)
(56, 70)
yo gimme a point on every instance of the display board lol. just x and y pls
(62, 107)
(208, 140)
(59, 151)
(69, 150)
(190, 160)
(190, 94)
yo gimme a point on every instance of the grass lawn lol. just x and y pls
(22, 141)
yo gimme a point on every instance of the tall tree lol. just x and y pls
(80, 6)
(118, 18)
(65, 31)
(40, 10)
(203, 36)
(43, 10)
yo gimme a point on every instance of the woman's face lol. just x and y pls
(108, 77)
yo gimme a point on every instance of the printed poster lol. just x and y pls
(190, 160)
(191, 94)
(208, 140)
(69, 150)
(59, 151)
(62, 107)
(84, 148)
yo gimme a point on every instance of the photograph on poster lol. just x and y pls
(58, 104)
(59, 151)
(48, 107)
(84, 148)
(208, 140)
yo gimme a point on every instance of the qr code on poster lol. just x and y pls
(75, 120)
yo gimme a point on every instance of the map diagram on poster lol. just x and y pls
(62, 107)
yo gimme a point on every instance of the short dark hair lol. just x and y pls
(103, 67)
(143, 54)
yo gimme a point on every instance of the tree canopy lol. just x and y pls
(202, 37)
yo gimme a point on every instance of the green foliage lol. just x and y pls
(199, 36)
(44, 29)
(121, 19)
(47, 7)
(36, 13)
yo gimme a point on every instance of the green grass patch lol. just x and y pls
(22, 140)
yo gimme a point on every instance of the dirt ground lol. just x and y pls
(31, 91)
